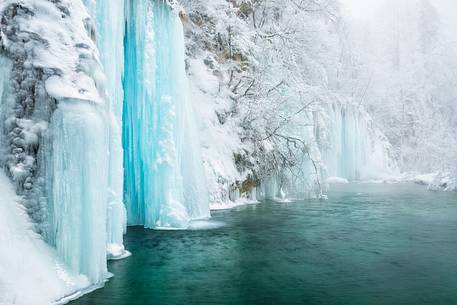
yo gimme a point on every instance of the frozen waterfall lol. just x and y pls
(343, 145)
(108, 17)
(56, 125)
(164, 179)
(76, 170)
(355, 149)
(62, 124)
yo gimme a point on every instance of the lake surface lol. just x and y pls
(368, 244)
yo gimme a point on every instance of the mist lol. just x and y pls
(404, 57)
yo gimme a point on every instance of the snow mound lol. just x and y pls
(30, 272)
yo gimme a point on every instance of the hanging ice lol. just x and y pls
(76, 170)
(108, 17)
(164, 178)
(56, 128)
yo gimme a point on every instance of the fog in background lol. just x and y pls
(404, 61)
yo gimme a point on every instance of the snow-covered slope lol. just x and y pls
(30, 271)
(219, 142)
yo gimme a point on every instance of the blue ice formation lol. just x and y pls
(77, 171)
(108, 19)
(136, 141)
(85, 119)
(164, 181)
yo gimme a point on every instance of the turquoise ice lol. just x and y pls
(164, 181)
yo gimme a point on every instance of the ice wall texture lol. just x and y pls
(164, 179)
(77, 175)
(55, 127)
(108, 18)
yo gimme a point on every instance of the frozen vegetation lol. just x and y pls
(153, 112)
(281, 113)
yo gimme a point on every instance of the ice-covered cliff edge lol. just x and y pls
(55, 126)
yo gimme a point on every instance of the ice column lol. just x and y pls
(77, 171)
(109, 21)
(164, 178)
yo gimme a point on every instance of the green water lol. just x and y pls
(368, 244)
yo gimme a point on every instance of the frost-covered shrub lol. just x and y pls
(267, 71)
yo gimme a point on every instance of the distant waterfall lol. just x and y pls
(164, 182)
(356, 149)
(342, 143)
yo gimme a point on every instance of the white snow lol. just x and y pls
(80, 75)
(425, 179)
(219, 142)
(30, 271)
(337, 180)
(445, 181)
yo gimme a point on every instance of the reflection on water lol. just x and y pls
(368, 244)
